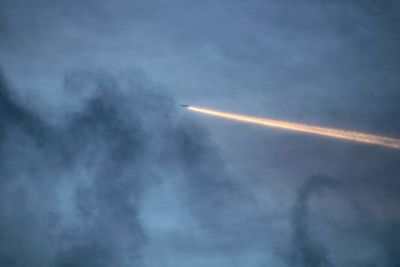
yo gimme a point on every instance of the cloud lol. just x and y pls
(308, 251)
(364, 228)
(104, 165)
(70, 191)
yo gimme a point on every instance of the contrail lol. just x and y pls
(298, 127)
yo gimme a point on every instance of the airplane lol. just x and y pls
(184, 106)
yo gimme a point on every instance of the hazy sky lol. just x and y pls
(100, 166)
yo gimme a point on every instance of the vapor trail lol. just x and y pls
(297, 127)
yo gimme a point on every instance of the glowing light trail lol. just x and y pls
(297, 127)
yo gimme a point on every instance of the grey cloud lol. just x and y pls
(70, 191)
(307, 250)
(202, 192)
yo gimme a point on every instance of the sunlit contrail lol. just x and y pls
(297, 127)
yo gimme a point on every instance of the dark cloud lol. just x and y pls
(70, 191)
(308, 251)
(105, 170)
(360, 223)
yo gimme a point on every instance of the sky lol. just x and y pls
(100, 166)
